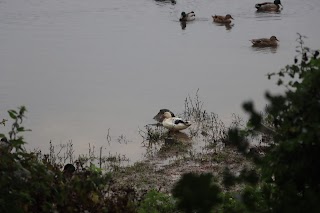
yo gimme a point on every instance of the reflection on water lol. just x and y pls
(173, 2)
(265, 49)
(228, 26)
(183, 24)
(268, 15)
(267, 12)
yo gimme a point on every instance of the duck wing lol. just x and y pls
(260, 40)
(219, 17)
(258, 6)
(177, 121)
(264, 3)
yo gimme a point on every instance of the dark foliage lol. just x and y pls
(196, 193)
(30, 184)
(290, 166)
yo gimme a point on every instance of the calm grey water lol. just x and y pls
(82, 67)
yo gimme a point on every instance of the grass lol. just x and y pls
(202, 148)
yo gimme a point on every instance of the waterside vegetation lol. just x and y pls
(268, 164)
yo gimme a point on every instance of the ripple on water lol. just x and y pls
(265, 50)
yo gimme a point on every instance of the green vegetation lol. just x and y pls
(285, 177)
(289, 177)
(157, 202)
(279, 176)
(196, 193)
(30, 184)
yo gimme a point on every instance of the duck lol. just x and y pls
(187, 16)
(159, 117)
(269, 6)
(265, 42)
(174, 123)
(222, 19)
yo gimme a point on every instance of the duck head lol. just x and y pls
(273, 38)
(228, 16)
(159, 117)
(277, 2)
(183, 17)
(167, 115)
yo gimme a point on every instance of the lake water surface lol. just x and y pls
(83, 67)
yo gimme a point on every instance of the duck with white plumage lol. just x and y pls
(187, 16)
(174, 123)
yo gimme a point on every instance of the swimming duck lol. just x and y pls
(265, 42)
(222, 19)
(269, 6)
(174, 123)
(187, 16)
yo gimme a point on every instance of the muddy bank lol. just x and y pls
(161, 174)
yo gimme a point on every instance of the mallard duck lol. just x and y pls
(187, 16)
(269, 6)
(174, 123)
(222, 19)
(265, 42)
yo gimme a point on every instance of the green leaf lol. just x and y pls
(281, 74)
(12, 114)
(22, 110)
(18, 142)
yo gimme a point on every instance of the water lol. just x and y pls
(85, 67)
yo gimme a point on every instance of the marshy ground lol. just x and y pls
(202, 148)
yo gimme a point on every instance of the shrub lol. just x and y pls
(289, 169)
(196, 193)
(157, 202)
